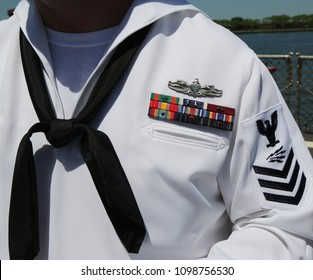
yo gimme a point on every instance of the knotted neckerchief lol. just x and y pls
(95, 147)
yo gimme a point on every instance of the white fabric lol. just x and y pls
(195, 186)
(74, 57)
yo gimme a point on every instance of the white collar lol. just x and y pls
(139, 15)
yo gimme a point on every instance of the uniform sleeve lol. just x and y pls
(266, 180)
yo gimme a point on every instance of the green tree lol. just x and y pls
(236, 23)
(273, 22)
(278, 22)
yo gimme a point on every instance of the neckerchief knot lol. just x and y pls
(61, 132)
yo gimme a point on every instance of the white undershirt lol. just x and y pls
(74, 58)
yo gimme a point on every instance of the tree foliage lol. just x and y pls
(269, 23)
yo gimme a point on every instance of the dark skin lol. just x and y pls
(78, 16)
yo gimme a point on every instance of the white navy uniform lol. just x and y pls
(204, 192)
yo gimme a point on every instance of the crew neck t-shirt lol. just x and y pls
(74, 58)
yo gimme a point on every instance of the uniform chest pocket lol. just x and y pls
(185, 136)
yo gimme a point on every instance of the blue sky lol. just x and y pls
(226, 9)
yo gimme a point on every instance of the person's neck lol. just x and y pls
(78, 16)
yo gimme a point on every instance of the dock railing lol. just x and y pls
(293, 74)
(305, 93)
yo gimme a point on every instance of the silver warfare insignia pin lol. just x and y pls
(195, 89)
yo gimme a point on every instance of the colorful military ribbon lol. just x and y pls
(191, 111)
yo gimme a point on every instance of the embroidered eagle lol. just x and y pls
(268, 129)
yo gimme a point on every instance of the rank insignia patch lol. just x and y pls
(296, 182)
(279, 174)
(190, 111)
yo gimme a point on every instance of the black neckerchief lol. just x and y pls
(95, 147)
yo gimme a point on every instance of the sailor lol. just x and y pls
(143, 130)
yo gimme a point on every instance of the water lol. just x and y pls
(283, 43)
(280, 42)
